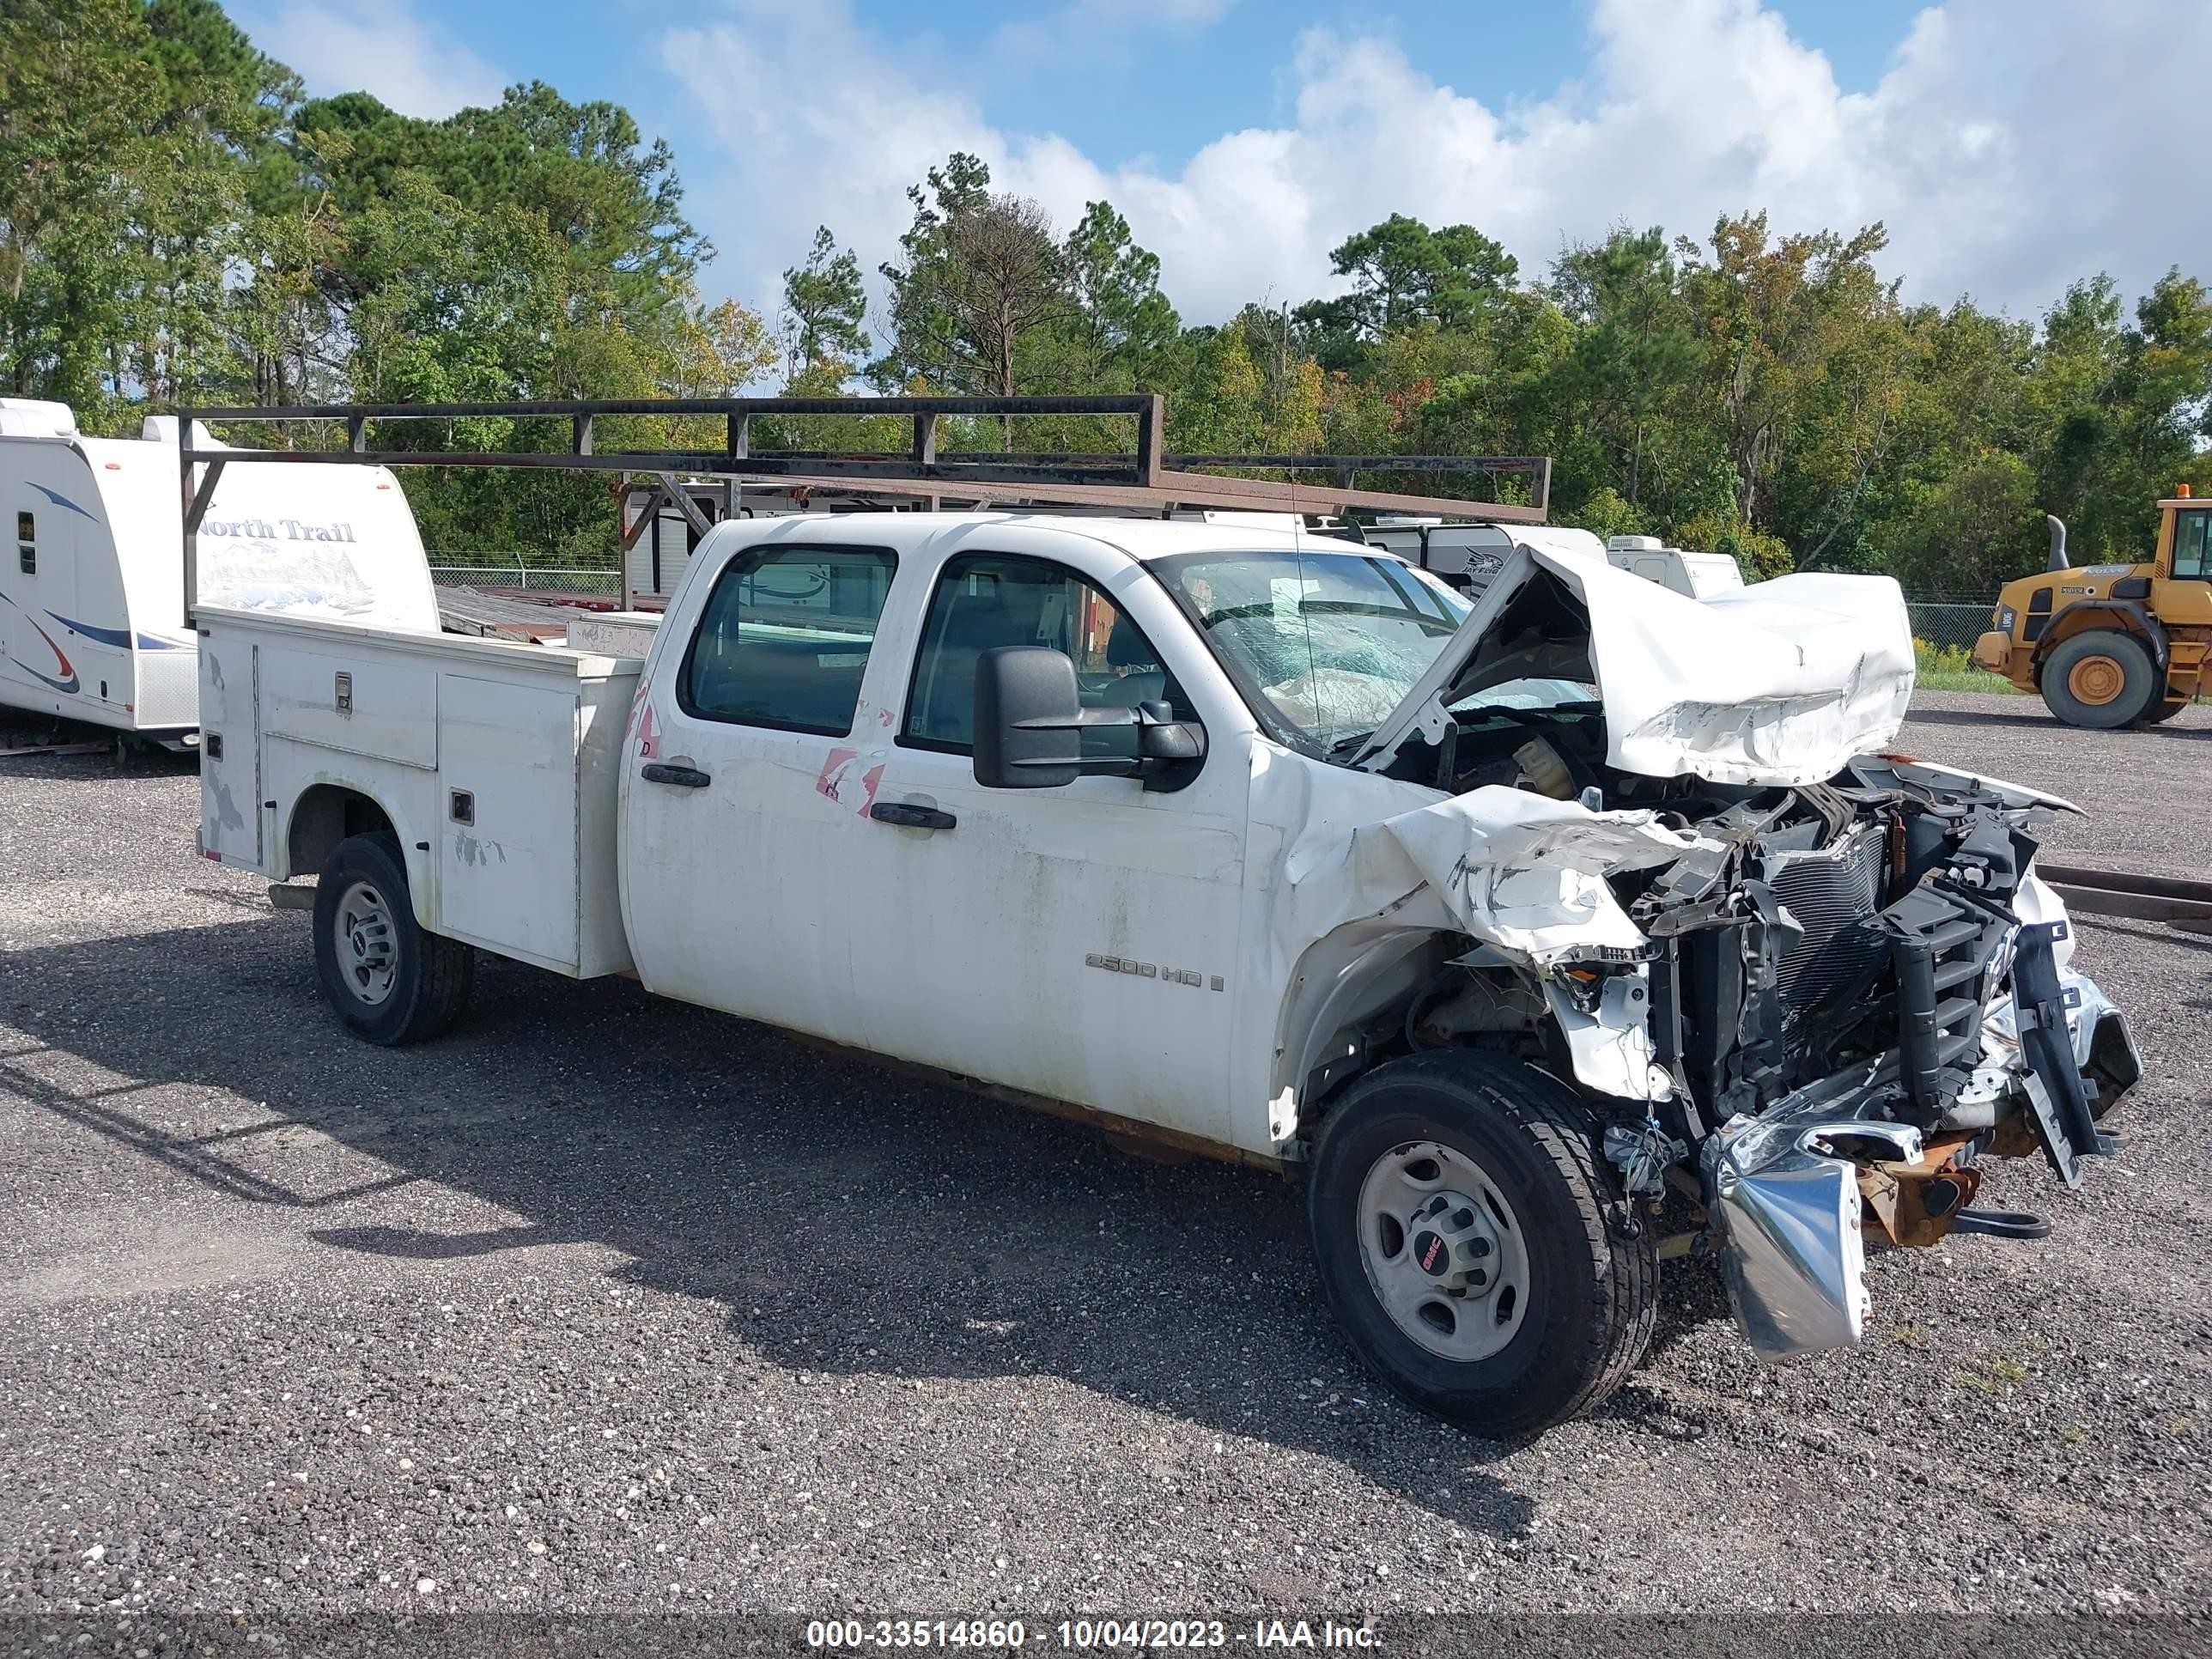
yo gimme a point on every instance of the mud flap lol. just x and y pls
(2058, 1096)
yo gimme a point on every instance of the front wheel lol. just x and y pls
(390, 982)
(2101, 679)
(1473, 1248)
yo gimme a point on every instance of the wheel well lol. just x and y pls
(322, 817)
(2100, 616)
(1343, 979)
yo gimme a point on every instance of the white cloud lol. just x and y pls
(1090, 29)
(2011, 147)
(417, 68)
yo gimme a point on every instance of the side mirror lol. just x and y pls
(1029, 721)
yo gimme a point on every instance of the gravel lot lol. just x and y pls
(604, 1303)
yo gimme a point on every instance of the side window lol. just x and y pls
(983, 600)
(2190, 536)
(26, 543)
(784, 639)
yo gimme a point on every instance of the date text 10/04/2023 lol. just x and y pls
(1086, 1634)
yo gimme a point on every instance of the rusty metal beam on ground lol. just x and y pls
(56, 748)
(2092, 893)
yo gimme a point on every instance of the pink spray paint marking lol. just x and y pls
(842, 781)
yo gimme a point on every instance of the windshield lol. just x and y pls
(1322, 645)
(1527, 697)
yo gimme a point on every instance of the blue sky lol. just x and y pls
(2009, 145)
(1161, 92)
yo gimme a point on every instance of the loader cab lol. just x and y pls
(2184, 565)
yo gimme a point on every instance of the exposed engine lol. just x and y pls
(1847, 993)
(1807, 1001)
(1812, 927)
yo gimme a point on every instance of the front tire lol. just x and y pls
(390, 982)
(2102, 679)
(1473, 1248)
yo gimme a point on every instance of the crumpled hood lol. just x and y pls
(1528, 873)
(1779, 683)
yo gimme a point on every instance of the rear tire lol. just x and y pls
(2165, 712)
(2102, 679)
(390, 982)
(1513, 1156)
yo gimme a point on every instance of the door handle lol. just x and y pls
(907, 815)
(684, 777)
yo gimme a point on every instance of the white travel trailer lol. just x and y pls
(91, 605)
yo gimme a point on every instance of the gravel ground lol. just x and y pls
(608, 1303)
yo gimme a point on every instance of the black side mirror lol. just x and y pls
(1029, 721)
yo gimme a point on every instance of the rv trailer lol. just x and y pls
(92, 604)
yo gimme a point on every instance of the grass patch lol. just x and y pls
(1951, 668)
(1995, 1376)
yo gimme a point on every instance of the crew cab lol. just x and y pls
(1542, 937)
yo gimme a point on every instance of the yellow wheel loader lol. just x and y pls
(2113, 645)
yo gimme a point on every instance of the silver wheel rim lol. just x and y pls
(368, 945)
(1443, 1250)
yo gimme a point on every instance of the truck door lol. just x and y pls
(736, 857)
(1077, 943)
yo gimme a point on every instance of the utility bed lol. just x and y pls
(497, 761)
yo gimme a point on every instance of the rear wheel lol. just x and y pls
(390, 982)
(1472, 1247)
(2165, 711)
(2101, 679)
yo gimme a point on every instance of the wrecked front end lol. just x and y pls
(1813, 1012)
(1919, 967)
(1809, 990)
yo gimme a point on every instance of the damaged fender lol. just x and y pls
(1526, 875)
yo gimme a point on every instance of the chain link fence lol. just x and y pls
(605, 584)
(1950, 621)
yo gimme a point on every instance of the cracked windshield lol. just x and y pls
(1323, 646)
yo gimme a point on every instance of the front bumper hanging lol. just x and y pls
(1788, 1191)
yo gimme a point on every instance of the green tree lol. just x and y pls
(1119, 322)
(130, 135)
(1403, 273)
(981, 275)
(824, 310)
(1635, 354)
(71, 109)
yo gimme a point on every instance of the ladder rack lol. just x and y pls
(1143, 478)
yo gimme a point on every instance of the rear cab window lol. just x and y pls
(984, 600)
(784, 638)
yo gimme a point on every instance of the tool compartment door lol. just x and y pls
(232, 818)
(506, 818)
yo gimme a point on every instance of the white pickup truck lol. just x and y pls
(1544, 937)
